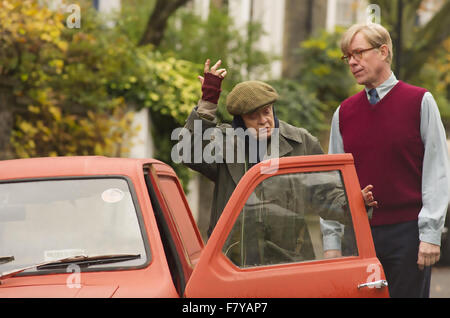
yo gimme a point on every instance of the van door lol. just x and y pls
(270, 241)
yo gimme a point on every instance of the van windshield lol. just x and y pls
(42, 221)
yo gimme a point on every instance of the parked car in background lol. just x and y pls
(115, 227)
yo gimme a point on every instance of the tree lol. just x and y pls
(191, 38)
(27, 34)
(419, 50)
(157, 22)
(322, 72)
(299, 107)
(413, 44)
(302, 19)
(72, 92)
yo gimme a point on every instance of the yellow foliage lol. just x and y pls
(75, 86)
(100, 133)
(34, 109)
(322, 70)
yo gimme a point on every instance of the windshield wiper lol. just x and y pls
(84, 261)
(6, 259)
(80, 260)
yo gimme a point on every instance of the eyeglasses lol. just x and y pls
(357, 54)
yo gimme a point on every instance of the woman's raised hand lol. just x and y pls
(214, 70)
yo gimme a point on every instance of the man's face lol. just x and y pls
(367, 69)
(261, 118)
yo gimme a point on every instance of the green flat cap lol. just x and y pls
(248, 96)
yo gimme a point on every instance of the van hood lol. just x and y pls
(57, 291)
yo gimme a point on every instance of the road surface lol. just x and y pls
(440, 282)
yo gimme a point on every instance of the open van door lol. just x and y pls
(269, 241)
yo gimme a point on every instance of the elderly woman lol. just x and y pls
(252, 104)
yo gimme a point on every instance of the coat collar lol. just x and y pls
(287, 132)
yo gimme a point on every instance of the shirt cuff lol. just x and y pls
(430, 231)
(331, 242)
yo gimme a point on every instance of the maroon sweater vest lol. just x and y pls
(388, 150)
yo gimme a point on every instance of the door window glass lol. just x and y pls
(280, 222)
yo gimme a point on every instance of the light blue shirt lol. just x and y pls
(435, 173)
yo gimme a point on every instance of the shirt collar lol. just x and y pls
(385, 87)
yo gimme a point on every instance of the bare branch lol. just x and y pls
(157, 22)
(427, 40)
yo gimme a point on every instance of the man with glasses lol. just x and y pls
(396, 136)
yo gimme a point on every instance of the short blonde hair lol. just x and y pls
(374, 33)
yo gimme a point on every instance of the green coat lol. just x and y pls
(293, 141)
(269, 239)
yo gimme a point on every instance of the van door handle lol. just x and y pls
(377, 284)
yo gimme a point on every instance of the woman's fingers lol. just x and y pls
(216, 66)
(207, 63)
(213, 70)
(222, 72)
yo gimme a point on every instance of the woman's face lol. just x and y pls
(261, 120)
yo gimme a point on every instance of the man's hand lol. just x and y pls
(429, 254)
(332, 253)
(369, 200)
(214, 70)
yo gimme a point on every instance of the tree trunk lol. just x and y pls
(416, 47)
(302, 19)
(157, 23)
(398, 40)
(431, 36)
(6, 125)
(219, 3)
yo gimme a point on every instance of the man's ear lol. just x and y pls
(384, 50)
